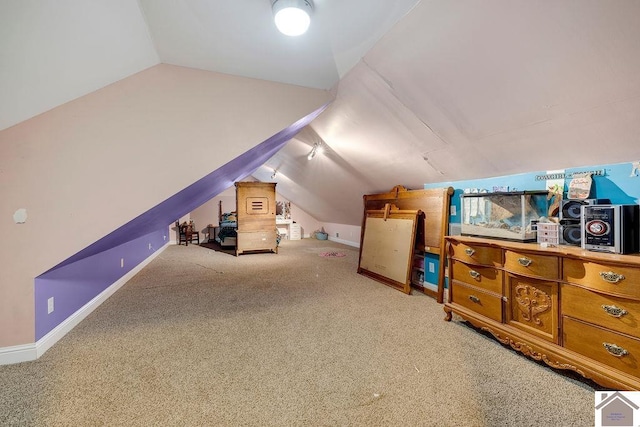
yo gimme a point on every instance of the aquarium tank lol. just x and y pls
(503, 215)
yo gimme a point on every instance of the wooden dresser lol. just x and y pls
(256, 216)
(572, 309)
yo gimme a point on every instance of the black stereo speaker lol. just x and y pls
(570, 210)
(571, 234)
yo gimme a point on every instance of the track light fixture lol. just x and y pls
(312, 153)
(317, 148)
(292, 17)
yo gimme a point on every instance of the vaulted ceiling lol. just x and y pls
(425, 90)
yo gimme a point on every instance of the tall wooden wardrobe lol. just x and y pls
(256, 215)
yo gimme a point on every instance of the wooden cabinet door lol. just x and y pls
(532, 306)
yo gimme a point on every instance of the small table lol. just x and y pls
(212, 232)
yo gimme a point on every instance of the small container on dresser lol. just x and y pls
(548, 232)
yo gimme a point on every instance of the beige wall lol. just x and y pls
(89, 166)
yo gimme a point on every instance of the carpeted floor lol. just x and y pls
(201, 338)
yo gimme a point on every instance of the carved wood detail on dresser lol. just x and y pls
(570, 308)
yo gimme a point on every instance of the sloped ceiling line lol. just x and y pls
(401, 102)
(395, 94)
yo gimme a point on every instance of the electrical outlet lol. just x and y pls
(121, 262)
(432, 267)
(453, 210)
(50, 305)
(164, 237)
(149, 246)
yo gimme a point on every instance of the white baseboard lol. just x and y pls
(18, 353)
(28, 352)
(345, 242)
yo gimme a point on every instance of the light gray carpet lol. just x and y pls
(204, 338)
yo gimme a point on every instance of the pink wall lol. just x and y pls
(308, 223)
(343, 233)
(208, 212)
(87, 167)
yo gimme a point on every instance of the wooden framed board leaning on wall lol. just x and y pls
(387, 246)
(432, 226)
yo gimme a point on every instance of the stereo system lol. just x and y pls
(570, 217)
(610, 228)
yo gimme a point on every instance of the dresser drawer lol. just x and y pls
(487, 278)
(619, 351)
(477, 254)
(608, 278)
(619, 314)
(256, 240)
(542, 266)
(477, 300)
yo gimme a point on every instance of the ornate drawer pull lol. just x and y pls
(614, 311)
(615, 350)
(525, 262)
(611, 277)
(469, 251)
(474, 274)
(474, 298)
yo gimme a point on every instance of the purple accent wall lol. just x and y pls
(75, 284)
(81, 277)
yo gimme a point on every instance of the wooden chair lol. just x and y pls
(186, 234)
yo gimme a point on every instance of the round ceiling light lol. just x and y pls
(292, 17)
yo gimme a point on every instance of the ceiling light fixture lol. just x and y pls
(292, 17)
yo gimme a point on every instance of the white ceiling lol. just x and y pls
(239, 37)
(426, 91)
